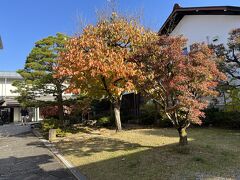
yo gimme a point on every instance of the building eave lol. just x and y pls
(10, 75)
(179, 12)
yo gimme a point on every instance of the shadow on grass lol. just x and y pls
(136, 161)
(93, 145)
(165, 162)
(110, 158)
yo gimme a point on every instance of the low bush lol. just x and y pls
(147, 117)
(105, 121)
(150, 115)
(60, 132)
(219, 118)
(52, 123)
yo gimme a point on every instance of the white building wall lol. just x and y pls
(6, 87)
(203, 28)
(16, 114)
(6, 91)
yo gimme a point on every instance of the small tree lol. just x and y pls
(179, 83)
(229, 56)
(97, 60)
(39, 72)
(229, 62)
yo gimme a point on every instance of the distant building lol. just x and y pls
(210, 24)
(9, 107)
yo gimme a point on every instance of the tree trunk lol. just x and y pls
(60, 107)
(60, 111)
(117, 116)
(183, 136)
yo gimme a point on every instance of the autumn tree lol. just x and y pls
(179, 83)
(39, 73)
(97, 60)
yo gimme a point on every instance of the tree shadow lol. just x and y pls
(11, 130)
(93, 145)
(143, 162)
(118, 159)
(165, 162)
(24, 157)
(32, 168)
(140, 165)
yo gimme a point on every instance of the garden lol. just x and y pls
(153, 153)
(129, 104)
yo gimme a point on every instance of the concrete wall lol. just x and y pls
(16, 114)
(6, 87)
(204, 28)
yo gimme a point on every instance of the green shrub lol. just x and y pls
(52, 123)
(220, 118)
(147, 117)
(105, 121)
(60, 132)
(151, 115)
(210, 116)
(148, 113)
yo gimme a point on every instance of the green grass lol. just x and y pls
(154, 154)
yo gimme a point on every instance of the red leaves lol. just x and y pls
(181, 82)
(49, 111)
(108, 58)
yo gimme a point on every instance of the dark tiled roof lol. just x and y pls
(179, 12)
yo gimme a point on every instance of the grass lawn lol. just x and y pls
(154, 154)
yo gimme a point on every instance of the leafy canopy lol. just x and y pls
(40, 68)
(97, 60)
(179, 83)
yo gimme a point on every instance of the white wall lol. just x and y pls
(199, 28)
(16, 114)
(6, 87)
(203, 28)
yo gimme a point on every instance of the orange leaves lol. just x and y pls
(110, 57)
(99, 58)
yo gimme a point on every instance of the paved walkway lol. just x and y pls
(24, 157)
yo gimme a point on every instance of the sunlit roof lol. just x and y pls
(10, 75)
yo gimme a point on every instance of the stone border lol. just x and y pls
(57, 154)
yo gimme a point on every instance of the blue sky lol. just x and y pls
(23, 22)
